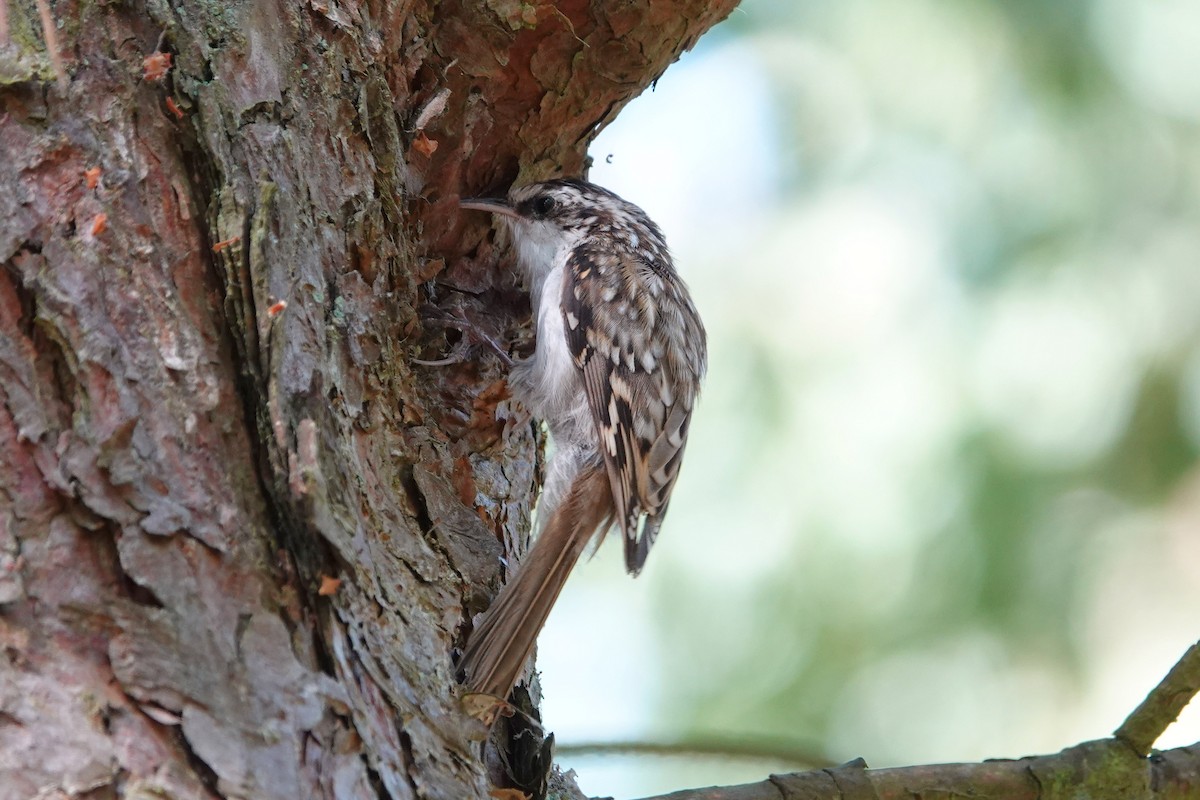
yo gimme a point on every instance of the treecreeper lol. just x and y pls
(620, 353)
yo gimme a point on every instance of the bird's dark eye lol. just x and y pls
(543, 205)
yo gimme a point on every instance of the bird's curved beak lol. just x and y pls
(488, 204)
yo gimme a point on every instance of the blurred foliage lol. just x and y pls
(942, 499)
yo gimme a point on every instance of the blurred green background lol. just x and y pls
(941, 500)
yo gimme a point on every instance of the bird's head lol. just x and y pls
(548, 219)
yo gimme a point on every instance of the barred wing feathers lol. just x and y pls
(636, 337)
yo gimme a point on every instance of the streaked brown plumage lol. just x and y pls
(615, 374)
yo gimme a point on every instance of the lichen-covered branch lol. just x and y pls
(1120, 768)
(1100, 770)
(1163, 705)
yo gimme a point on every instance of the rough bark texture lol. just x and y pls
(239, 542)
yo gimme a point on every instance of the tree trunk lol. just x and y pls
(242, 532)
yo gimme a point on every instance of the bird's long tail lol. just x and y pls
(504, 638)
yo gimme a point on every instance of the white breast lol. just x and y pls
(548, 383)
(560, 384)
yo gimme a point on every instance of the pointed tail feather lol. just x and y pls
(504, 639)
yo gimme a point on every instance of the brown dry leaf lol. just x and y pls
(486, 418)
(429, 268)
(508, 794)
(411, 414)
(485, 707)
(99, 224)
(492, 394)
(344, 20)
(93, 177)
(156, 66)
(329, 585)
(463, 479)
(424, 145)
(516, 13)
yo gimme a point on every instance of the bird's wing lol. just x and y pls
(636, 337)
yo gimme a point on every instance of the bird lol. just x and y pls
(620, 353)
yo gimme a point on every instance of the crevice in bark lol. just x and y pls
(52, 358)
(25, 298)
(232, 273)
(319, 157)
(417, 500)
(406, 748)
(238, 316)
(524, 747)
(105, 541)
(204, 773)
(375, 780)
(215, 197)
(264, 111)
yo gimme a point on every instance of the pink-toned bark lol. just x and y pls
(208, 400)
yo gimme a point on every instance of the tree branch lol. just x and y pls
(1100, 770)
(1116, 768)
(780, 752)
(1162, 706)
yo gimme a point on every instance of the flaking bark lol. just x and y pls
(241, 532)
